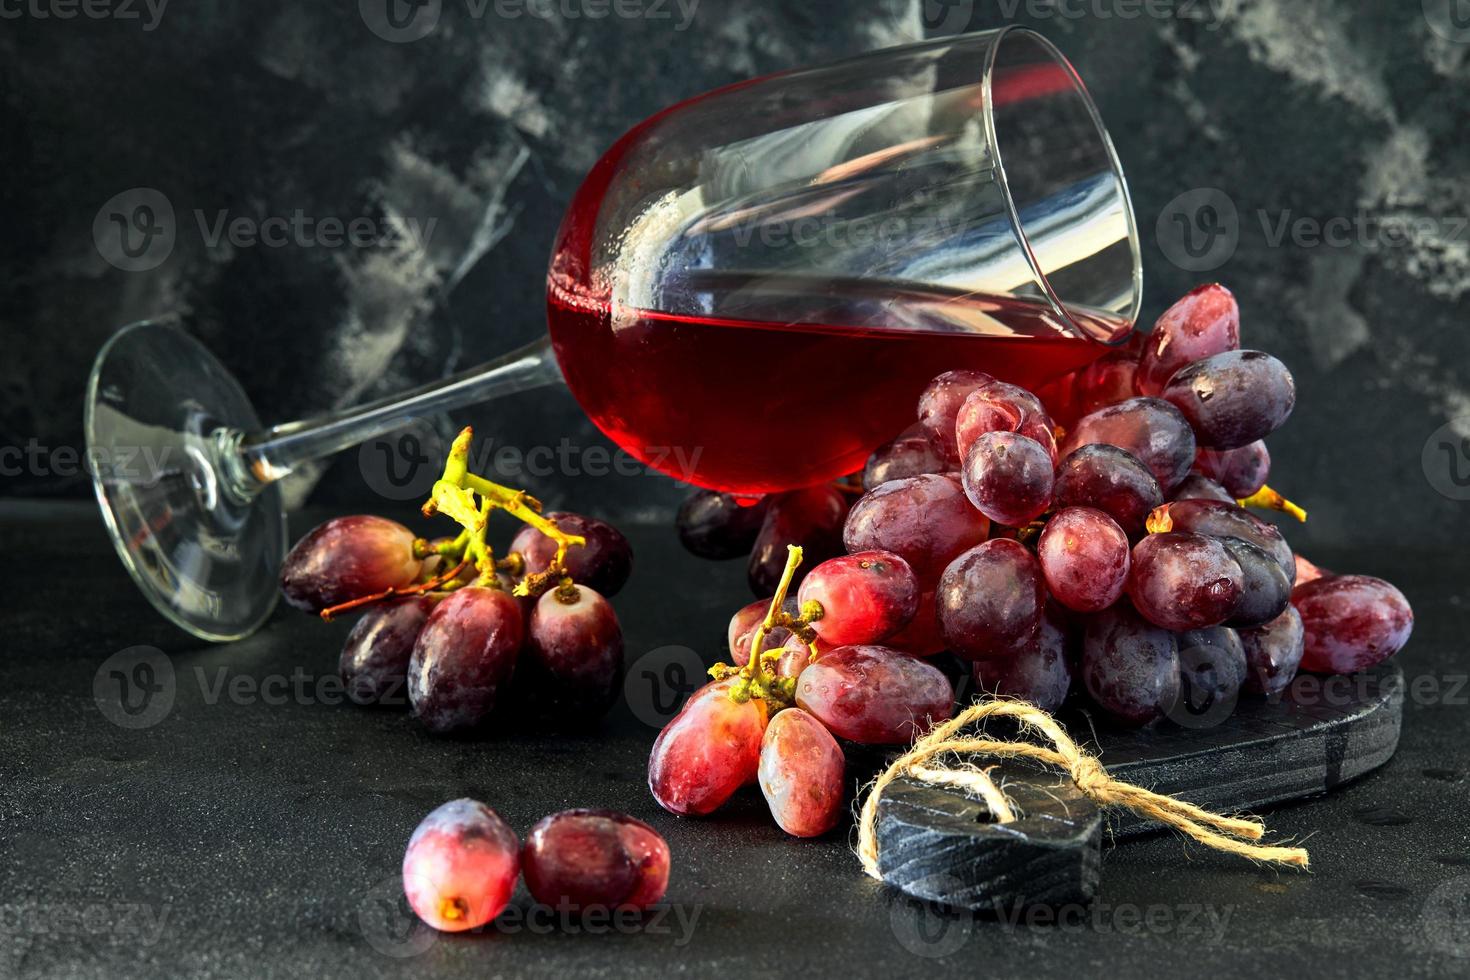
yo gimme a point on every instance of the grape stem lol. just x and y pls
(756, 679)
(332, 612)
(1269, 499)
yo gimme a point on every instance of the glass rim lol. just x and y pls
(1079, 88)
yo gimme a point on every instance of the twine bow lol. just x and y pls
(1233, 835)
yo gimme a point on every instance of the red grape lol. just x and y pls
(374, 664)
(875, 695)
(1106, 381)
(1225, 520)
(580, 860)
(1351, 622)
(464, 657)
(717, 525)
(1113, 481)
(990, 600)
(1084, 558)
(461, 866)
(741, 631)
(801, 774)
(603, 563)
(1129, 666)
(1240, 471)
(865, 597)
(795, 656)
(1183, 581)
(1205, 322)
(921, 637)
(1008, 477)
(1001, 407)
(1233, 399)
(911, 454)
(1151, 429)
(1306, 571)
(1041, 673)
(925, 520)
(938, 406)
(1273, 652)
(810, 517)
(574, 652)
(710, 749)
(1196, 487)
(346, 558)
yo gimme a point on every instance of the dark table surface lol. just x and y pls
(255, 828)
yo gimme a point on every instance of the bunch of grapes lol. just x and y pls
(1109, 560)
(459, 628)
(463, 860)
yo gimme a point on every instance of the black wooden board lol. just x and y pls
(940, 845)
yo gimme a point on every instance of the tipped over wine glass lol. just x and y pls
(756, 282)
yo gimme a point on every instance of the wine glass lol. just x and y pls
(750, 289)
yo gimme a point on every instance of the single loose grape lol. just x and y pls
(801, 774)
(347, 558)
(875, 695)
(461, 866)
(584, 860)
(865, 597)
(1084, 558)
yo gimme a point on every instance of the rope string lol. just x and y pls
(1233, 835)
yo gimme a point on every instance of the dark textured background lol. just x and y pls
(1316, 109)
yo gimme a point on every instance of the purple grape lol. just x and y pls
(717, 525)
(1196, 487)
(1225, 520)
(1112, 480)
(1206, 321)
(461, 866)
(1130, 668)
(1351, 622)
(1001, 407)
(573, 658)
(1233, 399)
(374, 664)
(1273, 652)
(911, 454)
(1008, 477)
(603, 563)
(584, 860)
(938, 406)
(810, 517)
(347, 558)
(1240, 471)
(1265, 592)
(1212, 668)
(990, 600)
(1182, 581)
(1041, 673)
(1084, 558)
(925, 520)
(465, 656)
(874, 695)
(1151, 429)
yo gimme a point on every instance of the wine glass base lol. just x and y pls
(160, 414)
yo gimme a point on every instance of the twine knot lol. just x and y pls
(1233, 835)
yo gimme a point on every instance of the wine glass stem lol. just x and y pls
(251, 461)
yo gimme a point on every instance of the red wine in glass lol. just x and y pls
(748, 292)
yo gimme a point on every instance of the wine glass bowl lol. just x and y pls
(748, 292)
